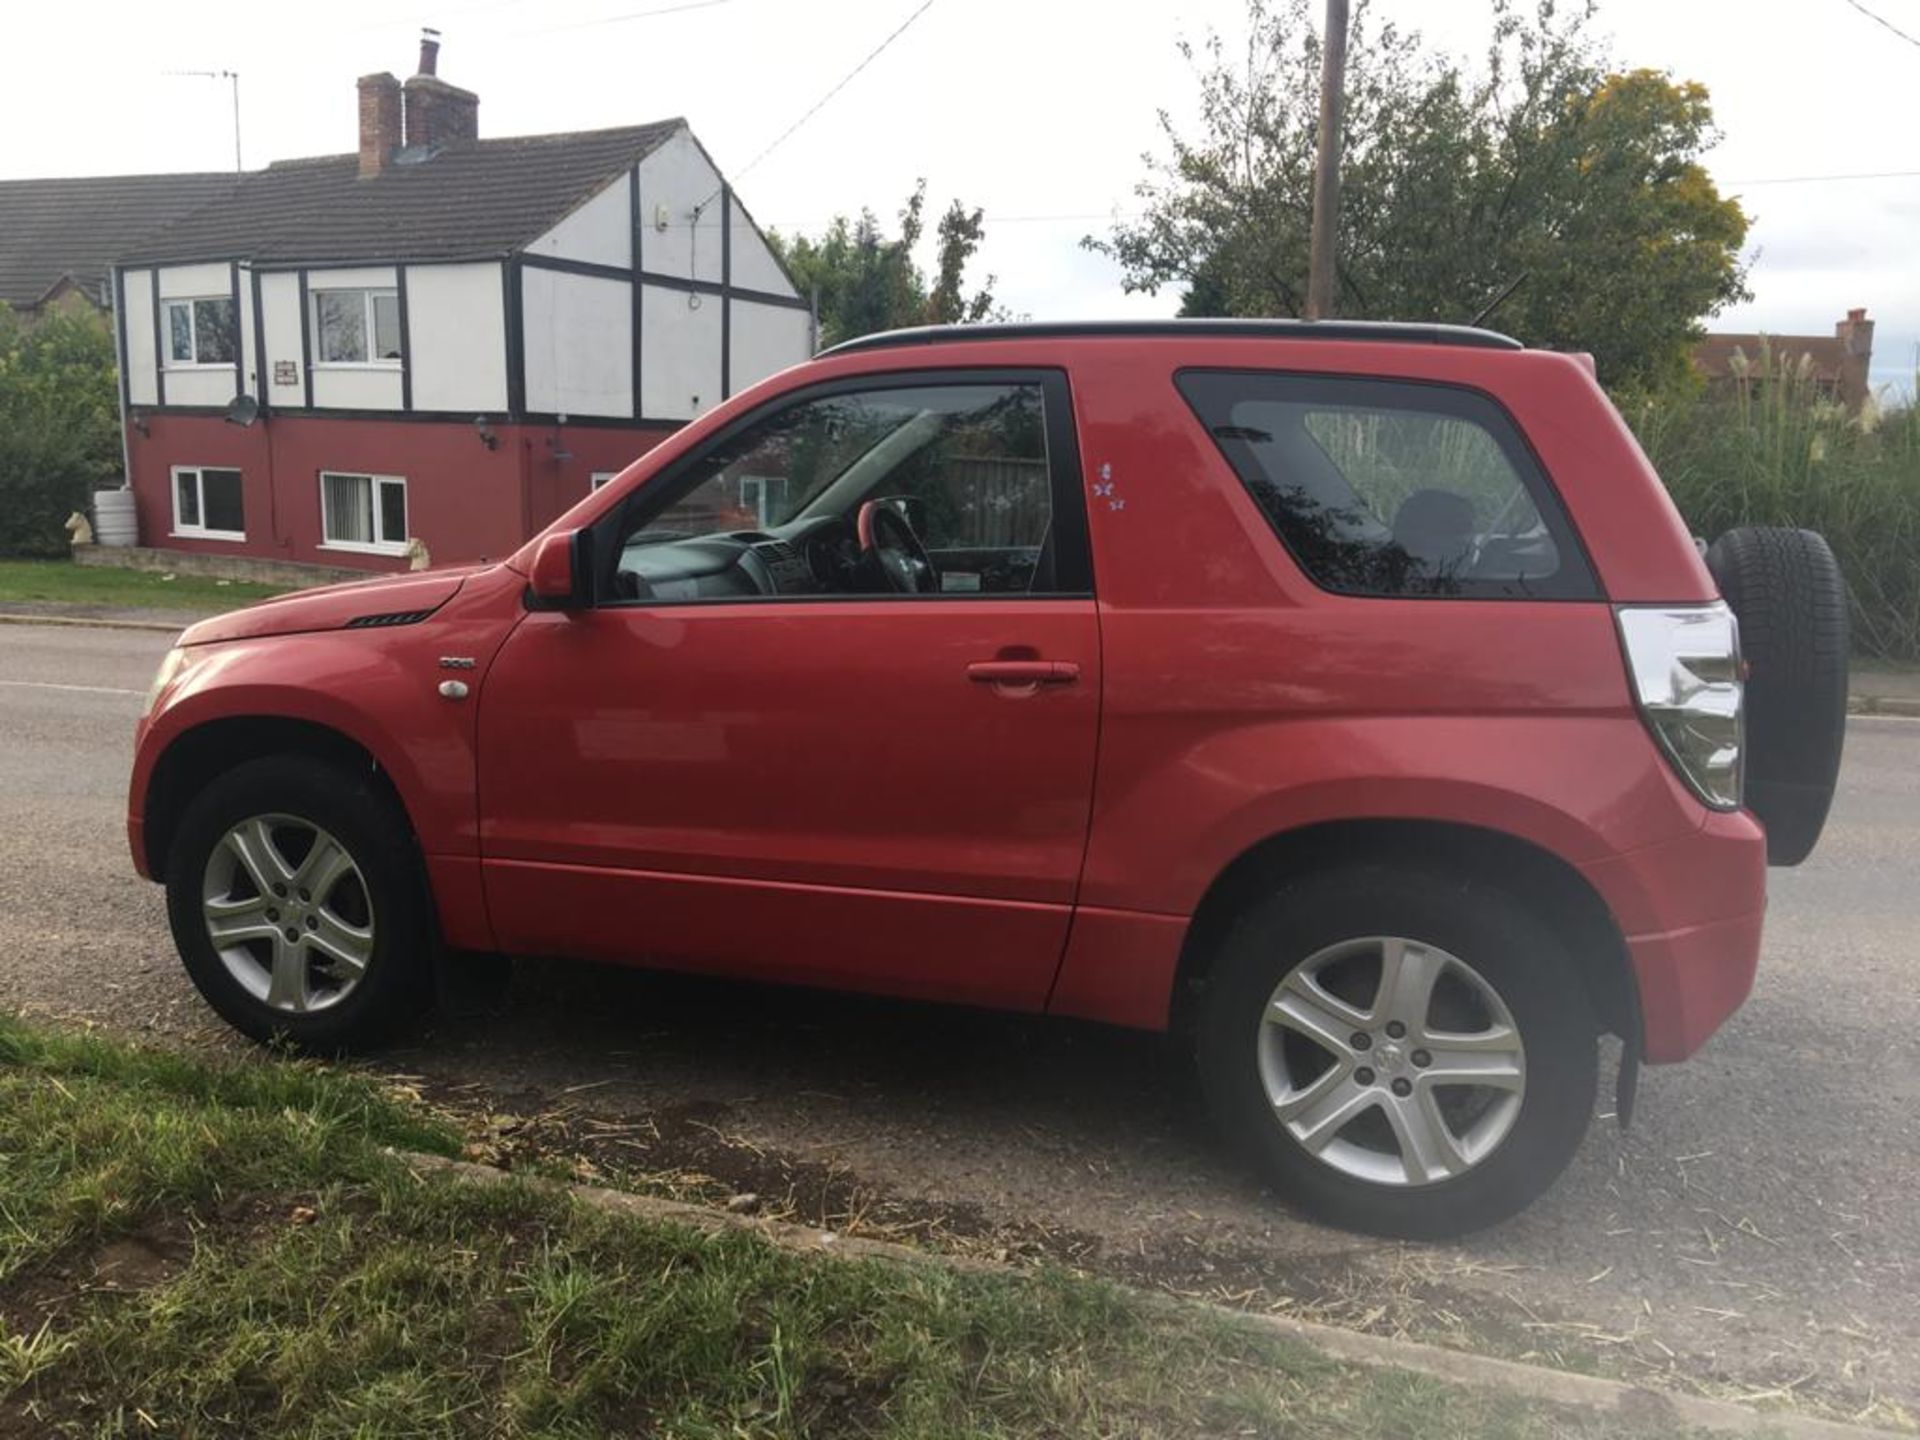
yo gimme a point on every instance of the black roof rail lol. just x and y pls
(1376, 330)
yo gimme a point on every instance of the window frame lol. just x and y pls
(598, 480)
(200, 529)
(378, 546)
(167, 304)
(367, 293)
(1577, 581)
(1072, 548)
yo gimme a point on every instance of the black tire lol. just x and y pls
(1791, 600)
(397, 983)
(1516, 952)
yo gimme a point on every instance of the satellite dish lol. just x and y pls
(243, 411)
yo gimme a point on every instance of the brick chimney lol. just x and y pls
(380, 123)
(438, 114)
(1855, 334)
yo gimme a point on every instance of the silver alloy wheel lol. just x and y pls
(1392, 1061)
(288, 913)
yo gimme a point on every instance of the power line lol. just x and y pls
(490, 5)
(439, 16)
(620, 19)
(1826, 179)
(1883, 22)
(820, 104)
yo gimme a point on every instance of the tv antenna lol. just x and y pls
(232, 77)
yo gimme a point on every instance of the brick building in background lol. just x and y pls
(438, 337)
(1839, 362)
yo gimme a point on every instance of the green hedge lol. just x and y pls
(59, 425)
(1777, 452)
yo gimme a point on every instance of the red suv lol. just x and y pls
(1347, 699)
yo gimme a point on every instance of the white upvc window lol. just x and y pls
(599, 478)
(356, 327)
(199, 331)
(363, 512)
(207, 503)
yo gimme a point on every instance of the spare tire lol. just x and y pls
(1786, 590)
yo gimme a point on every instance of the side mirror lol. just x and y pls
(559, 573)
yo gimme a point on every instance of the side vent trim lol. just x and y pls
(392, 617)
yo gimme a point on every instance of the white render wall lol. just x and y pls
(250, 374)
(675, 179)
(579, 344)
(191, 282)
(598, 233)
(456, 318)
(679, 353)
(280, 318)
(139, 321)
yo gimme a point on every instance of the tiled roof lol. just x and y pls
(52, 230)
(478, 198)
(1828, 353)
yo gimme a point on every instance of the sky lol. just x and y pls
(1039, 111)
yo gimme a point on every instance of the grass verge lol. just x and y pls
(64, 581)
(200, 1249)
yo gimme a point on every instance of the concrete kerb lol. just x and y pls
(1883, 705)
(92, 622)
(1633, 1404)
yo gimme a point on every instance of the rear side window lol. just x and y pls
(1384, 487)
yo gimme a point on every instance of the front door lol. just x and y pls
(833, 717)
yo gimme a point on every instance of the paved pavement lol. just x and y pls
(1759, 1227)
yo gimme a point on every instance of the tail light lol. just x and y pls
(1685, 665)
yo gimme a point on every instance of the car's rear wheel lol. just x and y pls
(1400, 1051)
(298, 905)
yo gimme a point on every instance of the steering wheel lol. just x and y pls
(888, 537)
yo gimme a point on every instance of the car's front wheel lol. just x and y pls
(298, 906)
(1400, 1051)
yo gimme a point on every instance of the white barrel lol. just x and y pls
(114, 522)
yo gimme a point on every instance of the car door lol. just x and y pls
(750, 756)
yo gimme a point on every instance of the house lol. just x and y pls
(1837, 364)
(440, 337)
(59, 238)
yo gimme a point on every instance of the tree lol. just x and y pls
(59, 425)
(1544, 163)
(867, 282)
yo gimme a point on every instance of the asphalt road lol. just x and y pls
(1757, 1230)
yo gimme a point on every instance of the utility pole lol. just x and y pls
(1326, 175)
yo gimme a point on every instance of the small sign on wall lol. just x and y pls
(286, 372)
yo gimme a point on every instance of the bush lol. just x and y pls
(59, 425)
(1777, 452)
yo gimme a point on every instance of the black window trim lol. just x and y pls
(1583, 586)
(1072, 548)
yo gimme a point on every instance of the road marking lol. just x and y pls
(84, 689)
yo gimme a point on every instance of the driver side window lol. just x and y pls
(787, 506)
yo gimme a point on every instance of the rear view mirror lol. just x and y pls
(558, 581)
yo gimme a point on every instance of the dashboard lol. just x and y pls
(808, 557)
